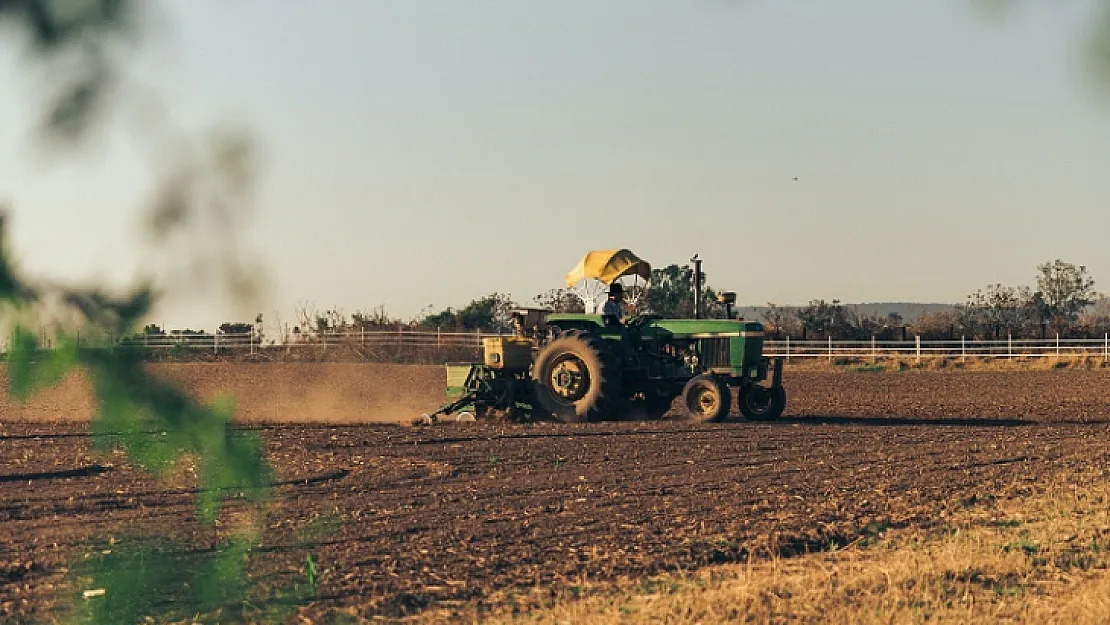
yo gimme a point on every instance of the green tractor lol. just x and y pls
(592, 367)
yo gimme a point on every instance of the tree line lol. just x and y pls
(670, 295)
(1061, 301)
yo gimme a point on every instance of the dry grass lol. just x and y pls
(1024, 558)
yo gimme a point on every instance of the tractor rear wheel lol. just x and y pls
(706, 398)
(759, 403)
(577, 379)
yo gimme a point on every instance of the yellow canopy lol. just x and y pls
(607, 266)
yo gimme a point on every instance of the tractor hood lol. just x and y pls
(675, 327)
(707, 327)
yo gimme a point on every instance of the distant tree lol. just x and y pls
(236, 327)
(671, 294)
(821, 318)
(996, 310)
(1095, 322)
(446, 318)
(862, 326)
(712, 308)
(187, 335)
(331, 320)
(937, 325)
(153, 330)
(375, 319)
(782, 319)
(1064, 290)
(490, 313)
(561, 301)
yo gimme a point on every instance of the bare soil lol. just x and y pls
(463, 512)
(267, 392)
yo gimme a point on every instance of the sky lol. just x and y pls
(419, 154)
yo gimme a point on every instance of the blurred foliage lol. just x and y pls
(1093, 52)
(76, 40)
(80, 44)
(133, 581)
(1098, 48)
(160, 427)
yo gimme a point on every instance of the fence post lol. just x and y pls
(917, 347)
(251, 339)
(787, 348)
(963, 348)
(830, 348)
(874, 352)
(216, 342)
(1009, 345)
(1105, 347)
(1057, 344)
(439, 342)
(362, 335)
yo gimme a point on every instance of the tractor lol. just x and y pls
(583, 367)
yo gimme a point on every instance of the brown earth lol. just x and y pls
(473, 511)
(273, 392)
(369, 393)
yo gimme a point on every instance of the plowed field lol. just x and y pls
(460, 511)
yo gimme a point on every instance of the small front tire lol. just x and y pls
(706, 398)
(759, 403)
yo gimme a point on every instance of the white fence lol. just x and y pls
(400, 340)
(962, 348)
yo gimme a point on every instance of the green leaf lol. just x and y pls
(31, 368)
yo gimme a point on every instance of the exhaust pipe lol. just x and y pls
(697, 286)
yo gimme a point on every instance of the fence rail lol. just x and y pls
(787, 348)
(250, 340)
(961, 348)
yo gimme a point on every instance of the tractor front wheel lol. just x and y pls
(759, 403)
(706, 398)
(576, 379)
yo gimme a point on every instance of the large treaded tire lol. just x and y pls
(597, 395)
(759, 403)
(706, 399)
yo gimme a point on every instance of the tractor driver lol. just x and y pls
(612, 311)
(518, 324)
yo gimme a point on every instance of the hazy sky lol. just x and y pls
(421, 153)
